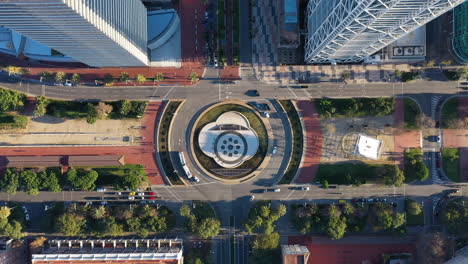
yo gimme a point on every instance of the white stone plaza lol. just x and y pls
(229, 140)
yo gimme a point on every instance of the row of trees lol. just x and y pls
(140, 78)
(406, 76)
(261, 221)
(60, 77)
(205, 225)
(30, 181)
(355, 107)
(110, 221)
(415, 166)
(335, 220)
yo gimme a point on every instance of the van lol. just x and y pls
(182, 159)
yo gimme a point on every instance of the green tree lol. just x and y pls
(13, 230)
(281, 210)
(29, 182)
(60, 77)
(41, 106)
(421, 171)
(185, 210)
(158, 77)
(140, 78)
(99, 212)
(91, 114)
(392, 175)
(325, 184)
(209, 228)
(134, 224)
(193, 77)
(264, 211)
(413, 207)
(5, 212)
(10, 181)
(70, 225)
(463, 72)
(83, 180)
(270, 241)
(76, 78)
(111, 227)
(47, 76)
(124, 76)
(48, 180)
(345, 75)
(15, 70)
(132, 180)
(125, 107)
(11, 100)
(336, 227)
(398, 220)
(348, 209)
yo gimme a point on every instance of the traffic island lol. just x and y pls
(230, 142)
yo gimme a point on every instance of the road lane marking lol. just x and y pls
(172, 89)
(292, 93)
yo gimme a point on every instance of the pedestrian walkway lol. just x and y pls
(230, 73)
(312, 143)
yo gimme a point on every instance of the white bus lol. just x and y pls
(189, 175)
(182, 159)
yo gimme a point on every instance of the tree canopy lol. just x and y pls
(82, 179)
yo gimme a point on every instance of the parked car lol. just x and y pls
(141, 193)
(304, 188)
(101, 189)
(252, 197)
(265, 114)
(150, 193)
(438, 163)
(274, 150)
(132, 193)
(277, 190)
(118, 193)
(131, 198)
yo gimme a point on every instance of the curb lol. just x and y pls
(206, 172)
(292, 139)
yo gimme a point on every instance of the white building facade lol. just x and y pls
(350, 30)
(96, 32)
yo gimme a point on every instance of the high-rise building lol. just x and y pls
(95, 32)
(350, 30)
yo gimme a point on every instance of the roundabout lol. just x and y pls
(229, 142)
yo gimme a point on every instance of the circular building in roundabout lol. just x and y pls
(229, 142)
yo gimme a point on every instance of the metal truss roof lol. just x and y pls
(350, 30)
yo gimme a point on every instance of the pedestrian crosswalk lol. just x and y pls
(434, 100)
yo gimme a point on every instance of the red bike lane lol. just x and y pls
(313, 141)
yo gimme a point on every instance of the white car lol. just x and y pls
(277, 190)
(195, 178)
(27, 217)
(266, 115)
(252, 197)
(274, 150)
(140, 193)
(305, 188)
(131, 198)
(104, 202)
(118, 193)
(101, 190)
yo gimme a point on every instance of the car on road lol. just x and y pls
(265, 114)
(274, 150)
(304, 188)
(101, 189)
(453, 190)
(132, 193)
(104, 202)
(277, 190)
(370, 200)
(252, 197)
(131, 197)
(253, 93)
(438, 139)
(195, 178)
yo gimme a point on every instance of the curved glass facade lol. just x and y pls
(460, 31)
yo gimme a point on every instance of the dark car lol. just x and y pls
(437, 124)
(253, 93)
(438, 163)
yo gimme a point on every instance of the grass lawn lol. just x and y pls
(108, 175)
(298, 141)
(163, 139)
(451, 168)
(414, 220)
(413, 153)
(255, 122)
(347, 173)
(67, 109)
(449, 111)
(411, 114)
(13, 121)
